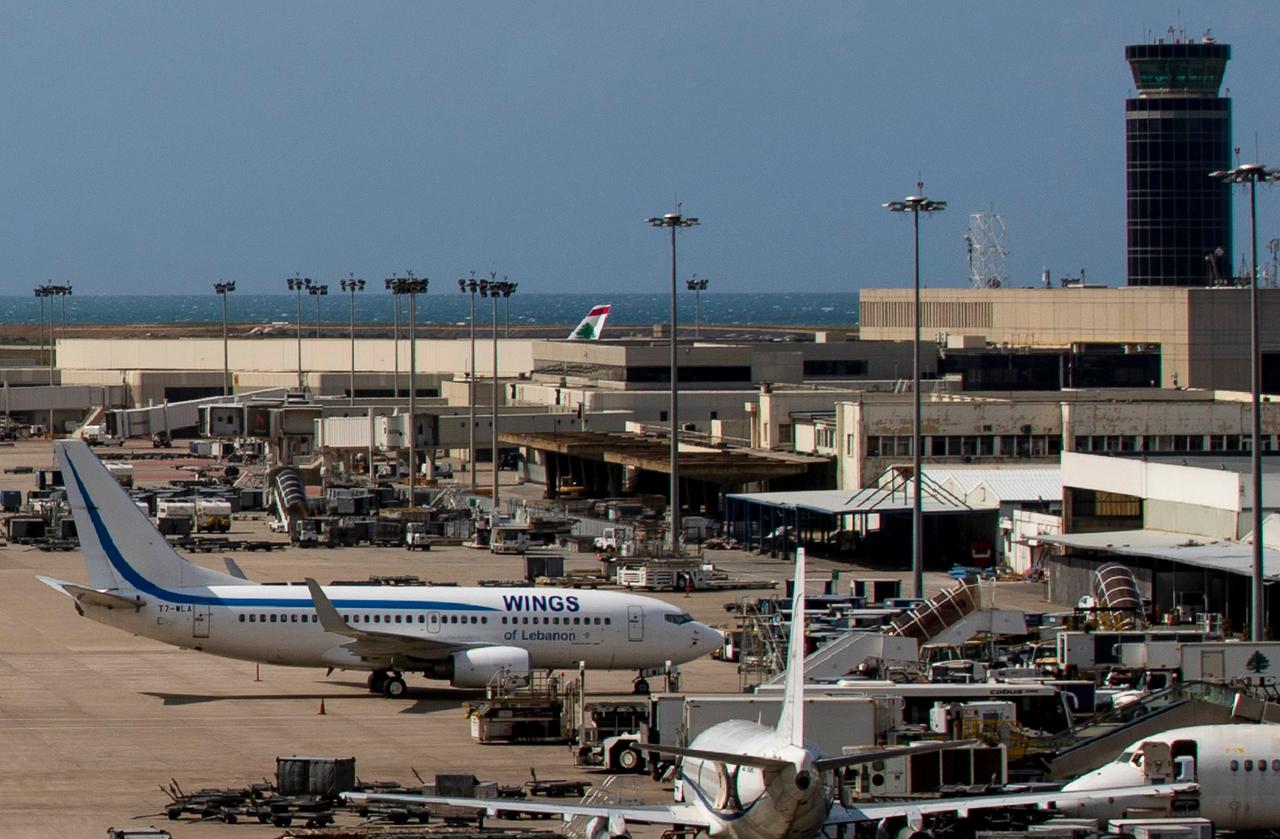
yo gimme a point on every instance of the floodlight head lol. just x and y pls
(672, 220)
(915, 204)
(1246, 173)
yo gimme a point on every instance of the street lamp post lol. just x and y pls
(470, 286)
(63, 292)
(317, 291)
(493, 289)
(296, 284)
(222, 289)
(392, 283)
(42, 291)
(412, 286)
(351, 286)
(674, 221)
(506, 307)
(1252, 174)
(916, 204)
(697, 285)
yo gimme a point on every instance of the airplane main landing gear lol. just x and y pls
(388, 683)
(394, 687)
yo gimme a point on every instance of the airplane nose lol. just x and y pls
(705, 638)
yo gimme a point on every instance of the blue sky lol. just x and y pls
(156, 146)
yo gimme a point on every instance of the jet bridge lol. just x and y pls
(1188, 704)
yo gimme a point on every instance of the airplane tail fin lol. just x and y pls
(592, 325)
(122, 548)
(791, 720)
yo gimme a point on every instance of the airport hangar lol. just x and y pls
(1179, 522)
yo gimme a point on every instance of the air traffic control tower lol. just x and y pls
(1177, 131)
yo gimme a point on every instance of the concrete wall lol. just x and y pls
(1179, 517)
(1202, 332)
(1067, 416)
(280, 355)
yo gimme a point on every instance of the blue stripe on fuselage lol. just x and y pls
(142, 584)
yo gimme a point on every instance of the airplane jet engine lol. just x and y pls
(475, 668)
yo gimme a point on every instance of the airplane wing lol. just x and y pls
(823, 764)
(674, 814)
(92, 596)
(373, 644)
(826, 764)
(962, 806)
(733, 758)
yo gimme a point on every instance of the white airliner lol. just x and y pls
(592, 325)
(743, 780)
(139, 584)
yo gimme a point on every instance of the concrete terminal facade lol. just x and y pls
(1202, 333)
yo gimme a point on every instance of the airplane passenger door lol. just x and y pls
(635, 623)
(1212, 664)
(200, 621)
(433, 621)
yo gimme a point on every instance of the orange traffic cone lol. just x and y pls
(322, 712)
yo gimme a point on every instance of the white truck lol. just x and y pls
(1206, 661)
(416, 536)
(615, 541)
(168, 508)
(122, 472)
(669, 575)
(509, 539)
(212, 515)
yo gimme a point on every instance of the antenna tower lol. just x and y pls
(1274, 247)
(988, 257)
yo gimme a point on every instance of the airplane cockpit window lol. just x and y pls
(1125, 757)
(682, 617)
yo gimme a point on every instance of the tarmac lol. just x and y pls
(93, 721)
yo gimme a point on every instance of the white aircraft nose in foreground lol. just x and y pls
(139, 584)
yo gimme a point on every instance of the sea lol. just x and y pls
(746, 309)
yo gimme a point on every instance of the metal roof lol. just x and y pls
(1010, 483)
(843, 502)
(1200, 551)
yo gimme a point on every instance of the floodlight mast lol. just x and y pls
(697, 285)
(296, 284)
(1253, 174)
(916, 204)
(351, 285)
(470, 286)
(674, 221)
(222, 289)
